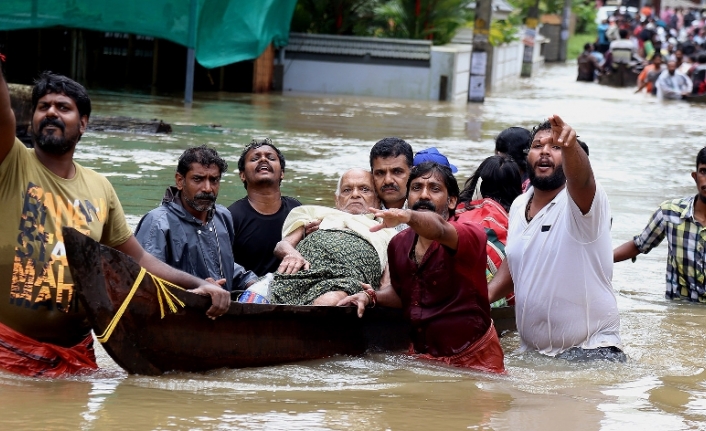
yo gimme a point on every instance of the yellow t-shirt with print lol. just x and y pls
(36, 289)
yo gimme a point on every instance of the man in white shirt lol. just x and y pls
(559, 254)
(672, 84)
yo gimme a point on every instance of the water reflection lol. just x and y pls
(642, 152)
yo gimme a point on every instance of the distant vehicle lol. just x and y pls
(607, 11)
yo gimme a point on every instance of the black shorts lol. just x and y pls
(578, 354)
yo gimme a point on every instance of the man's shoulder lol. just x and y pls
(290, 202)
(92, 176)
(467, 227)
(676, 206)
(240, 205)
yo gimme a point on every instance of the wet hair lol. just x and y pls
(49, 82)
(545, 125)
(514, 141)
(253, 145)
(202, 155)
(428, 169)
(391, 147)
(701, 158)
(501, 181)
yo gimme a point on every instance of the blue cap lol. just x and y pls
(433, 155)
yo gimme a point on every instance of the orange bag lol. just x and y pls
(23, 355)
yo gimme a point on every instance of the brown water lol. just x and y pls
(642, 151)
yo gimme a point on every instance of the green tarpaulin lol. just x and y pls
(226, 31)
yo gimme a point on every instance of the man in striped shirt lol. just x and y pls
(683, 222)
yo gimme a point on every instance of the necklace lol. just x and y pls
(527, 209)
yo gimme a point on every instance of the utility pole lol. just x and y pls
(190, 55)
(564, 35)
(528, 40)
(479, 56)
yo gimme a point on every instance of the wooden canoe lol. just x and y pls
(248, 335)
(623, 76)
(696, 98)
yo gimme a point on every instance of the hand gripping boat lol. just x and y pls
(150, 327)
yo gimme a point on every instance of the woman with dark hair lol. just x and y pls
(500, 184)
(514, 142)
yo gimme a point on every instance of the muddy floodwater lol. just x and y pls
(642, 151)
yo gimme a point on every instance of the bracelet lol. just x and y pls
(372, 297)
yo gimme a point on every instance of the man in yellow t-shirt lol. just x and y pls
(43, 330)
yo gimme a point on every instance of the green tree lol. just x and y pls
(329, 16)
(436, 20)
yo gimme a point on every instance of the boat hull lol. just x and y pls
(622, 76)
(248, 335)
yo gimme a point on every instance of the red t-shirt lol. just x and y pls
(445, 297)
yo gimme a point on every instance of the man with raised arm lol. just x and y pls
(437, 275)
(43, 328)
(559, 254)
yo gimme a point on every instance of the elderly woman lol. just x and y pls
(332, 262)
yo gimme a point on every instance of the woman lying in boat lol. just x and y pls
(332, 262)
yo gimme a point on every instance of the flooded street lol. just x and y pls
(642, 151)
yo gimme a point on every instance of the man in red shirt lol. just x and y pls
(437, 275)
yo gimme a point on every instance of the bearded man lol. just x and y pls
(43, 329)
(190, 231)
(559, 254)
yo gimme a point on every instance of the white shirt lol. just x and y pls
(672, 86)
(562, 264)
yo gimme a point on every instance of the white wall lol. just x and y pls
(453, 61)
(507, 63)
(361, 79)
(403, 81)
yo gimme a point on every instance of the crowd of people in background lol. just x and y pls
(668, 49)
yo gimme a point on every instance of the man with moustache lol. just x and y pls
(559, 258)
(437, 275)
(259, 216)
(682, 222)
(43, 328)
(390, 162)
(189, 231)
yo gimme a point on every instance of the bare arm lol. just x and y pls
(386, 296)
(7, 120)
(220, 298)
(625, 251)
(426, 224)
(501, 285)
(580, 182)
(292, 260)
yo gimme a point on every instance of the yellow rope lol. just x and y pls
(162, 290)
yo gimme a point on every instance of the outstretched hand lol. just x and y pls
(220, 299)
(562, 133)
(390, 217)
(359, 300)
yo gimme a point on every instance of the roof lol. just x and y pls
(356, 46)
